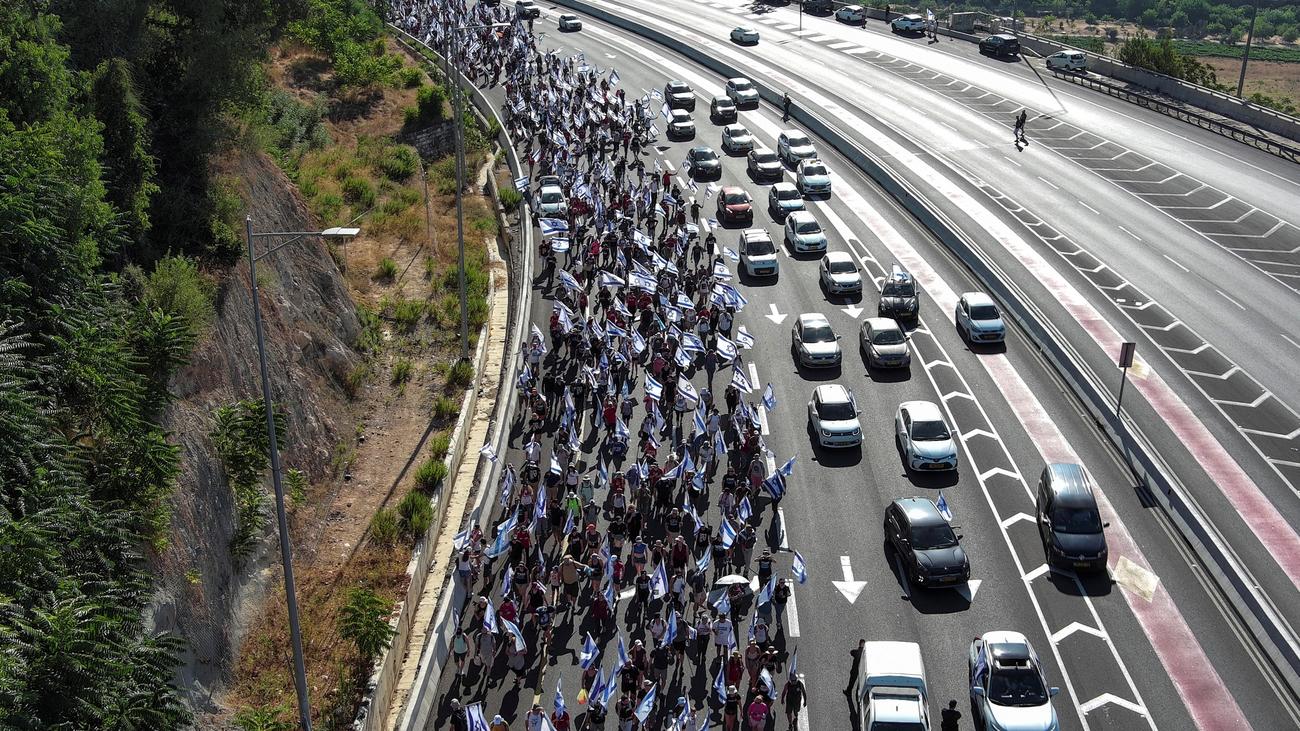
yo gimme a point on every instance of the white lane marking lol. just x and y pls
(1094, 210)
(1233, 301)
(1073, 627)
(1130, 233)
(1289, 340)
(785, 534)
(762, 410)
(1049, 183)
(848, 587)
(1016, 519)
(1105, 698)
(1013, 162)
(1036, 572)
(792, 617)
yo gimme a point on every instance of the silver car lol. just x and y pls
(813, 178)
(884, 343)
(680, 124)
(813, 342)
(1008, 688)
(833, 416)
(793, 146)
(924, 437)
(839, 273)
(762, 164)
(735, 138)
(978, 319)
(742, 91)
(784, 199)
(803, 233)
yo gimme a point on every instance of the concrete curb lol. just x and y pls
(435, 652)
(1272, 633)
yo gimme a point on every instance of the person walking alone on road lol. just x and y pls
(793, 697)
(1020, 128)
(785, 107)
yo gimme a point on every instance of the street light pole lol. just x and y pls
(286, 558)
(1245, 56)
(286, 550)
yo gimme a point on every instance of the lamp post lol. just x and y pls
(286, 557)
(1245, 56)
(450, 62)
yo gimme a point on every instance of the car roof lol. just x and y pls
(882, 323)
(837, 256)
(792, 133)
(723, 100)
(677, 83)
(735, 127)
(1006, 646)
(920, 511)
(738, 79)
(809, 161)
(898, 272)
(729, 189)
(799, 217)
(549, 186)
(912, 16)
(758, 150)
(701, 148)
(755, 233)
(813, 318)
(977, 298)
(680, 113)
(784, 186)
(922, 410)
(1004, 36)
(832, 393)
(568, 16)
(1071, 486)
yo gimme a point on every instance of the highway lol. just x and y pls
(1154, 651)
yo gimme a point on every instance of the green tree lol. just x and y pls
(363, 621)
(128, 164)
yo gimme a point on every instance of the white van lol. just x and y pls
(1068, 61)
(892, 694)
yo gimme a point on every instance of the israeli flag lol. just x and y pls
(687, 391)
(540, 501)
(744, 339)
(501, 544)
(507, 580)
(610, 687)
(637, 280)
(753, 622)
(638, 343)
(568, 282)
(745, 511)
(719, 444)
(670, 635)
(490, 619)
(799, 568)
(682, 358)
(765, 594)
(720, 271)
(513, 629)
(726, 348)
(727, 532)
(699, 424)
(730, 253)
(719, 686)
(794, 664)
(622, 653)
(654, 94)
(691, 341)
(613, 77)
(525, 376)
(461, 539)
(589, 652)
(775, 485)
(642, 239)
(610, 598)
(703, 563)
(942, 505)
(560, 708)
(788, 468)
(766, 677)
(740, 381)
(688, 464)
(647, 704)
(769, 398)
(597, 686)
(723, 605)
(474, 715)
(553, 226)
(665, 111)
(610, 280)
(659, 582)
(613, 330)
(684, 717)
(521, 184)
(568, 523)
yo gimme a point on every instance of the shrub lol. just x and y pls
(178, 288)
(439, 445)
(477, 312)
(359, 191)
(402, 370)
(263, 719)
(430, 474)
(510, 199)
(430, 103)
(329, 206)
(296, 481)
(363, 620)
(399, 163)
(410, 77)
(387, 270)
(446, 408)
(415, 514)
(384, 528)
(462, 374)
(407, 313)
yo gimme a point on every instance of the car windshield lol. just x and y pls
(705, 155)
(810, 227)
(764, 156)
(842, 267)
(898, 289)
(929, 431)
(835, 411)
(1076, 520)
(811, 170)
(739, 133)
(818, 334)
(743, 85)
(1019, 686)
(798, 141)
(927, 537)
(760, 248)
(552, 196)
(680, 116)
(983, 312)
(786, 194)
(887, 337)
(737, 198)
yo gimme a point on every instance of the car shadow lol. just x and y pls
(750, 280)
(927, 480)
(818, 374)
(980, 348)
(1092, 584)
(946, 600)
(886, 375)
(839, 457)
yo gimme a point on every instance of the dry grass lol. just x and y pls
(1272, 78)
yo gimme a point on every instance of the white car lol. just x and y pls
(924, 437)
(1067, 61)
(526, 9)
(1008, 688)
(735, 138)
(570, 23)
(744, 34)
(813, 178)
(758, 253)
(907, 23)
(813, 342)
(884, 343)
(979, 320)
(839, 273)
(793, 146)
(680, 125)
(833, 416)
(551, 201)
(803, 233)
(851, 14)
(784, 199)
(742, 91)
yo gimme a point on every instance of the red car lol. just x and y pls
(734, 205)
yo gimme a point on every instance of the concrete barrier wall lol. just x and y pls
(1233, 579)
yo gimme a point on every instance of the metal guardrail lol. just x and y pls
(1210, 124)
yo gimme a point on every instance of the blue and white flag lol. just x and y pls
(799, 568)
(698, 423)
(462, 539)
(560, 245)
(597, 686)
(611, 685)
(665, 111)
(474, 715)
(765, 594)
(490, 619)
(613, 330)
(769, 398)
(788, 468)
(568, 523)
(687, 391)
(794, 664)
(720, 271)
(647, 704)
(521, 184)
(745, 511)
(553, 226)
(637, 280)
(726, 348)
(513, 629)
(613, 77)
(670, 634)
(568, 282)
(741, 381)
(560, 708)
(620, 428)
(659, 582)
(691, 341)
(682, 358)
(744, 339)
(775, 485)
(727, 532)
(702, 564)
(611, 280)
(610, 597)
(723, 605)
(719, 685)
(719, 443)
(684, 717)
(766, 677)
(942, 505)
(589, 652)
(731, 253)
(507, 580)
(622, 652)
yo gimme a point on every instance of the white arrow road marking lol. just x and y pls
(1105, 698)
(1073, 627)
(848, 587)
(969, 589)
(776, 316)
(852, 311)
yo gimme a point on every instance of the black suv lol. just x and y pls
(931, 551)
(679, 95)
(1069, 523)
(1001, 44)
(898, 298)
